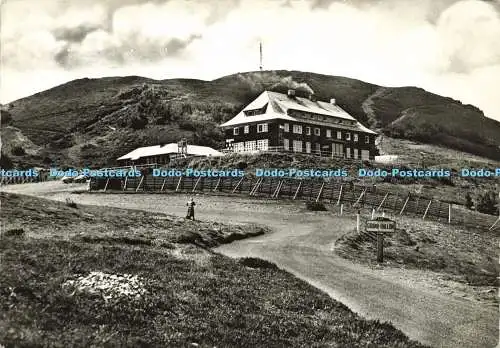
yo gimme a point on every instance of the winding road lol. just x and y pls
(302, 244)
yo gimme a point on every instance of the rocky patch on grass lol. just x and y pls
(109, 286)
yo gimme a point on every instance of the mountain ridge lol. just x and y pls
(72, 123)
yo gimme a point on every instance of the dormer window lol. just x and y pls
(254, 112)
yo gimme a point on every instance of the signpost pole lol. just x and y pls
(381, 226)
(380, 247)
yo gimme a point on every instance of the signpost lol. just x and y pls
(380, 225)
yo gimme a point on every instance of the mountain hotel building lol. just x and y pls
(281, 122)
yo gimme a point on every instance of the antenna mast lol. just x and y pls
(260, 49)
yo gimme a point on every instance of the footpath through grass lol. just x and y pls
(77, 277)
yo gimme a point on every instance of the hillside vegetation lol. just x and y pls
(94, 121)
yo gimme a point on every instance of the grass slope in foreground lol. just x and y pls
(156, 284)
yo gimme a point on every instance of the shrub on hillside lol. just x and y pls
(5, 161)
(15, 232)
(137, 122)
(187, 124)
(18, 151)
(487, 203)
(242, 165)
(468, 201)
(5, 117)
(315, 206)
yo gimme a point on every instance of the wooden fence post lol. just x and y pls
(320, 192)
(404, 205)
(297, 191)
(256, 187)
(360, 196)
(196, 184)
(140, 183)
(282, 182)
(278, 189)
(427, 209)
(383, 200)
(494, 224)
(238, 184)
(217, 185)
(178, 184)
(340, 194)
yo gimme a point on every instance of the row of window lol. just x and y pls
(337, 149)
(297, 146)
(261, 128)
(295, 113)
(297, 129)
(255, 145)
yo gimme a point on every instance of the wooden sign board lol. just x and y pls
(381, 225)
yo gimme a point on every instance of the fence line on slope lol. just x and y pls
(332, 192)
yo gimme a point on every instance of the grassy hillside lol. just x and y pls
(94, 121)
(95, 277)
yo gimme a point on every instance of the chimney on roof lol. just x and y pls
(332, 101)
(291, 93)
(312, 97)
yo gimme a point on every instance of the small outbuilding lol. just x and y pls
(163, 154)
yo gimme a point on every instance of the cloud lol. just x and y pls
(470, 36)
(449, 47)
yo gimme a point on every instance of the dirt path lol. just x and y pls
(302, 244)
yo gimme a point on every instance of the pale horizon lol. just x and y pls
(446, 47)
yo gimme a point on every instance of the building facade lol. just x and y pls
(285, 122)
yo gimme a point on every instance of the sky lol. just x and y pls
(448, 47)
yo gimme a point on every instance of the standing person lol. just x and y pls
(190, 213)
